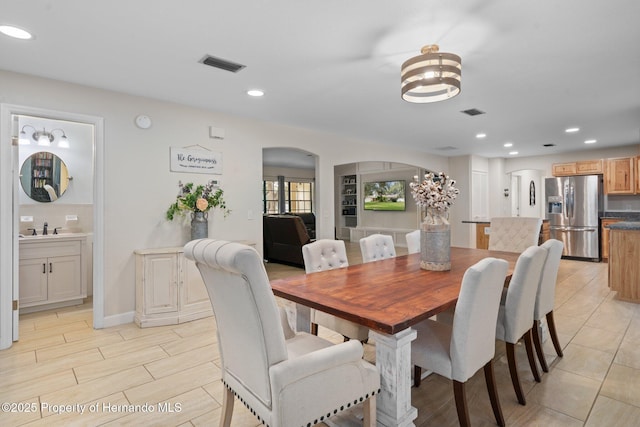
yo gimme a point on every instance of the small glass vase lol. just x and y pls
(435, 242)
(199, 225)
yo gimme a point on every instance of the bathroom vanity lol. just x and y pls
(52, 271)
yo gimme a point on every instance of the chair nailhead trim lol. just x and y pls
(335, 411)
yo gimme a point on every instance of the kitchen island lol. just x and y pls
(624, 260)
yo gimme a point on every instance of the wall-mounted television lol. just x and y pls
(384, 196)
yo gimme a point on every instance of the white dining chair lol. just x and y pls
(284, 378)
(513, 234)
(515, 316)
(545, 300)
(413, 242)
(377, 247)
(322, 255)
(457, 351)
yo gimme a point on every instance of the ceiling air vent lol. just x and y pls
(223, 64)
(446, 148)
(549, 145)
(472, 112)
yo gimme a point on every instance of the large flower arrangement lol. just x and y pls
(202, 199)
(436, 193)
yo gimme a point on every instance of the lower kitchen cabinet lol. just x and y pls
(169, 288)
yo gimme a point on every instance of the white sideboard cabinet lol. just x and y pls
(52, 271)
(169, 288)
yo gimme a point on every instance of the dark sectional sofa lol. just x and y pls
(283, 238)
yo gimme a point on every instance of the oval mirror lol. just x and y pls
(44, 176)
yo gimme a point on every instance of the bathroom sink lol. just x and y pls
(52, 236)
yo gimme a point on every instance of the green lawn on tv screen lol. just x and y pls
(384, 206)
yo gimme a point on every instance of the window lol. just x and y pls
(297, 196)
(300, 195)
(270, 197)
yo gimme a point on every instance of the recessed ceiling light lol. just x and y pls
(481, 135)
(571, 130)
(508, 144)
(15, 32)
(590, 141)
(255, 92)
(513, 153)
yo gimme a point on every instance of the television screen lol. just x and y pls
(384, 196)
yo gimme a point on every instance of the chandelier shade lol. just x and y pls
(432, 76)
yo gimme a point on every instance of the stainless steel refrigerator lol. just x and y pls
(573, 208)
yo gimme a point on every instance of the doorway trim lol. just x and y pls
(8, 222)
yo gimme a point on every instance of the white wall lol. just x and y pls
(526, 177)
(461, 234)
(139, 186)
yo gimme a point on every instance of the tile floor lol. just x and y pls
(168, 376)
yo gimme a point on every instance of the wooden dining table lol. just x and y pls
(389, 297)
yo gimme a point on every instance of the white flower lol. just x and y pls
(436, 192)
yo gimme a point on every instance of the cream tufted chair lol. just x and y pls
(377, 247)
(545, 299)
(459, 350)
(326, 254)
(413, 242)
(515, 317)
(514, 234)
(286, 379)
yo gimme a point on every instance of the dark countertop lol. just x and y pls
(625, 225)
(629, 216)
(488, 221)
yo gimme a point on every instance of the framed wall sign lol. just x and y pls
(198, 160)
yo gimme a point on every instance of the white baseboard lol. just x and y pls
(119, 319)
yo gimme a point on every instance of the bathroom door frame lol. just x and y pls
(9, 211)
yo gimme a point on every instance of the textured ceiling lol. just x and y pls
(535, 68)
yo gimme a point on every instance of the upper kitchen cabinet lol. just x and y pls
(564, 169)
(619, 176)
(637, 161)
(583, 167)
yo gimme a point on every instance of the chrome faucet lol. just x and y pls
(44, 230)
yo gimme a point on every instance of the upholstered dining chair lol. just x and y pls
(377, 247)
(322, 255)
(515, 316)
(457, 351)
(413, 242)
(545, 300)
(514, 234)
(284, 378)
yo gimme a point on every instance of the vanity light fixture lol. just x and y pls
(43, 137)
(431, 76)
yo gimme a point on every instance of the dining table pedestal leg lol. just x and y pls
(393, 359)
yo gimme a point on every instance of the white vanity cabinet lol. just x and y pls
(169, 288)
(51, 271)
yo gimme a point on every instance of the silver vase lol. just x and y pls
(435, 243)
(199, 225)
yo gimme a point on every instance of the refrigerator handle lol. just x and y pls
(572, 191)
(566, 200)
